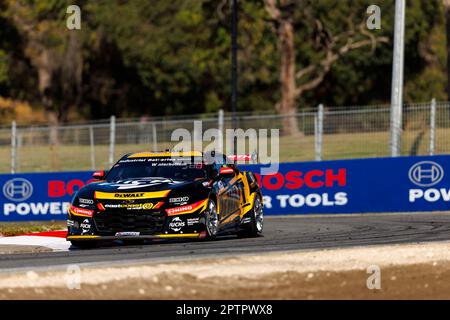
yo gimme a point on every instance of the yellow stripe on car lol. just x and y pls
(130, 195)
(82, 237)
(232, 217)
(251, 201)
(179, 235)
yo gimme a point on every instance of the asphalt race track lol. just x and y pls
(280, 233)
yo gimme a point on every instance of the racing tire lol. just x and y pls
(211, 220)
(255, 226)
(84, 244)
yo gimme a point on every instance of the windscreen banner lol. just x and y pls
(403, 184)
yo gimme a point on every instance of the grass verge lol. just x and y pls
(65, 157)
(17, 228)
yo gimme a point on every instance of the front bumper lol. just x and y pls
(132, 225)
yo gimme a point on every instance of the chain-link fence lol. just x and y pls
(326, 134)
(365, 132)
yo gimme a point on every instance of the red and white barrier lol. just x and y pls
(54, 240)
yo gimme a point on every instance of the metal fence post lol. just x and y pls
(13, 146)
(397, 78)
(220, 128)
(91, 140)
(432, 126)
(112, 139)
(197, 143)
(155, 139)
(318, 132)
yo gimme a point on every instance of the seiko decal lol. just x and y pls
(85, 201)
(179, 199)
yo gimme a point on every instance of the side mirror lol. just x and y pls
(226, 172)
(99, 175)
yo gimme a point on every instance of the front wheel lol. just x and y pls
(211, 220)
(256, 223)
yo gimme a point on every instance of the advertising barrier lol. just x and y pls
(39, 196)
(404, 184)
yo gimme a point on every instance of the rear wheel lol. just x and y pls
(84, 244)
(256, 223)
(211, 220)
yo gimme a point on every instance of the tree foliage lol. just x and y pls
(159, 57)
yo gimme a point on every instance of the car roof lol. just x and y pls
(164, 154)
(208, 157)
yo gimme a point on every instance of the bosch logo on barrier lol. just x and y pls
(313, 179)
(60, 188)
(283, 183)
(30, 199)
(18, 189)
(406, 184)
(426, 174)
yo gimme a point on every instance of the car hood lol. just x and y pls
(138, 185)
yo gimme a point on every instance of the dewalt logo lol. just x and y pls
(130, 195)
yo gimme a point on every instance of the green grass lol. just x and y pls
(335, 146)
(17, 228)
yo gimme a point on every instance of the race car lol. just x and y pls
(154, 195)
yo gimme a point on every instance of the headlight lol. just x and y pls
(81, 212)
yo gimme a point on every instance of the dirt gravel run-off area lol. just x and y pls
(413, 271)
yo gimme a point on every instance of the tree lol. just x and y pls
(446, 4)
(154, 58)
(332, 47)
(55, 52)
(426, 74)
(178, 53)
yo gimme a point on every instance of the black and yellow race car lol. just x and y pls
(166, 195)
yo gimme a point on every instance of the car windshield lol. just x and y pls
(176, 169)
